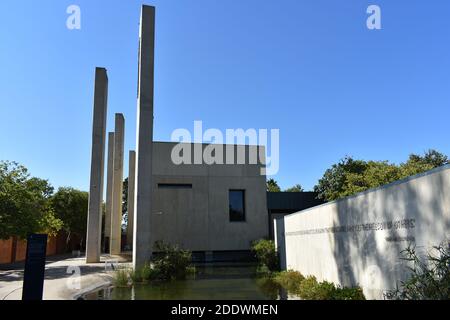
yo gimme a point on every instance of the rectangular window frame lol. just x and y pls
(244, 201)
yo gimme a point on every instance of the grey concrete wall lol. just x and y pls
(357, 240)
(142, 249)
(94, 223)
(198, 218)
(109, 187)
(116, 213)
(131, 186)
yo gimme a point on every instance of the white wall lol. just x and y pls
(357, 240)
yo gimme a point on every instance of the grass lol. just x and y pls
(120, 278)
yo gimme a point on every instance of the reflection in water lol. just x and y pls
(211, 282)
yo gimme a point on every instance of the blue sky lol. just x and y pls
(310, 68)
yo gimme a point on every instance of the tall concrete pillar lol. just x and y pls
(94, 224)
(142, 246)
(109, 189)
(131, 186)
(116, 216)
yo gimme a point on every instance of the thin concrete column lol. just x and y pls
(116, 217)
(109, 188)
(142, 246)
(94, 224)
(131, 186)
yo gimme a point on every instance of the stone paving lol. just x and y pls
(66, 277)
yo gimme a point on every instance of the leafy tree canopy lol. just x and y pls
(296, 188)
(71, 207)
(272, 186)
(351, 176)
(24, 203)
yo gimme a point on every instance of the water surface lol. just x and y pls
(211, 282)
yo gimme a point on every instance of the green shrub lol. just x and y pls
(324, 291)
(429, 276)
(190, 269)
(309, 289)
(120, 278)
(345, 293)
(263, 270)
(136, 275)
(290, 280)
(143, 274)
(266, 254)
(171, 262)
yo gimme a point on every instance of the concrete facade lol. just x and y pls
(197, 217)
(109, 189)
(94, 224)
(357, 240)
(142, 249)
(131, 186)
(116, 217)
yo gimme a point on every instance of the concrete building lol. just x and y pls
(215, 210)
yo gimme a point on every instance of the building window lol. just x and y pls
(174, 186)
(236, 203)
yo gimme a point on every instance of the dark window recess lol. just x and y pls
(174, 186)
(236, 199)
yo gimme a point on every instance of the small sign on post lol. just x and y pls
(33, 278)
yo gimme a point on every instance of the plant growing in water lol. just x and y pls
(429, 276)
(266, 255)
(171, 262)
(120, 278)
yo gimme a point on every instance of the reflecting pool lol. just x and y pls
(211, 282)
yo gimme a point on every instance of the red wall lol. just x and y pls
(55, 245)
(6, 251)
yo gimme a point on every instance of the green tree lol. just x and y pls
(24, 203)
(351, 176)
(418, 164)
(71, 207)
(296, 188)
(333, 184)
(272, 186)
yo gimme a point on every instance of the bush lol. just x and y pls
(171, 262)
(120, 278)
(309, 289)
(430, 276)
(266, 254)
(290, 280)
(345, 293)
(136, 275)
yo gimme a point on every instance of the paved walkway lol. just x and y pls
(61, 277)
